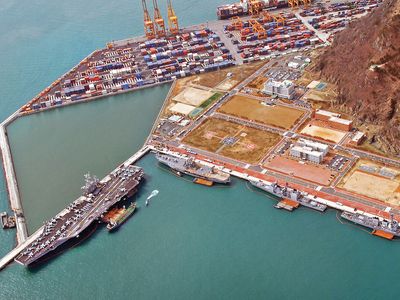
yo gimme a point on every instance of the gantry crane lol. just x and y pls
(148, 22)
(293, 3)
(237, 23)
(172, 19)
(279, 19)
(258, 28)
(254, 7)
(266, 17)
(159, 24)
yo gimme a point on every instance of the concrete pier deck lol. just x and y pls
(11, 180)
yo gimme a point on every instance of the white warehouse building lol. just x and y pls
(309, 150)
(283, 89)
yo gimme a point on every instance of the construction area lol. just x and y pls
(232, 140)
(373, 180)
(228, 78)
(323, 133)
(256, 110)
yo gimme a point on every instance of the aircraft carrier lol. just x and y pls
(97, 198)
(289, 193)
(389, 226)
(190, 167)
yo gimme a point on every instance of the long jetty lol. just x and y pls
(11, 180)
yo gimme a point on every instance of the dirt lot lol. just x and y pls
(192, 96)
(373, 186)
(323, 133)
(251, 109)
(248, 145)
(239, 73)
(314, 173)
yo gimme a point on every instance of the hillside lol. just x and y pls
(364, 63)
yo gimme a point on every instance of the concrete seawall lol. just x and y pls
(11, 180)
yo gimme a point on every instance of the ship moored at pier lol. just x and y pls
(97, 198)
(390, 227)
(241, 8)
(291, 194)
(190, 167)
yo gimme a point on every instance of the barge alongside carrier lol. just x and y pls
(118, 216)
(96, 200)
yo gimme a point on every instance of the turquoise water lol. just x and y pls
(192, 242)
(66, 143)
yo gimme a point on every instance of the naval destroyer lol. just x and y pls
(96, 200)
(190, 167)
(389, 226)
(289, 193)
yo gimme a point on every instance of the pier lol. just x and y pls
(11, 181)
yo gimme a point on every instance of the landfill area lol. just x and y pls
(253, 109)
(231, 139)
(323, 133)
(373, 180)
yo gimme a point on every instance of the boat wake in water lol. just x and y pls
(153, 194)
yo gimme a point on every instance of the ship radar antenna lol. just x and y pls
(90, 183)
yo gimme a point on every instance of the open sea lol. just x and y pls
(192, 242)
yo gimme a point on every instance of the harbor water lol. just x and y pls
(191, 242)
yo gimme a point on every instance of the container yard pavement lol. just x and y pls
(252, 109)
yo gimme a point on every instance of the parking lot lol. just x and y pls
(338, 162)
(281, 74)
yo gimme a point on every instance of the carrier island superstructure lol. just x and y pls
(97, 198)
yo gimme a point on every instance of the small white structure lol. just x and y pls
(283, 89)
(182, 109)
(309, 150)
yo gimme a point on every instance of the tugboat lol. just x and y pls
(119, 216)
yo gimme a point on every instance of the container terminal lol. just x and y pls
(272, 34)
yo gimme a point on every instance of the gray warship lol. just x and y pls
(289, 193)
(97, 198)
(390, 226)
(190, 167)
